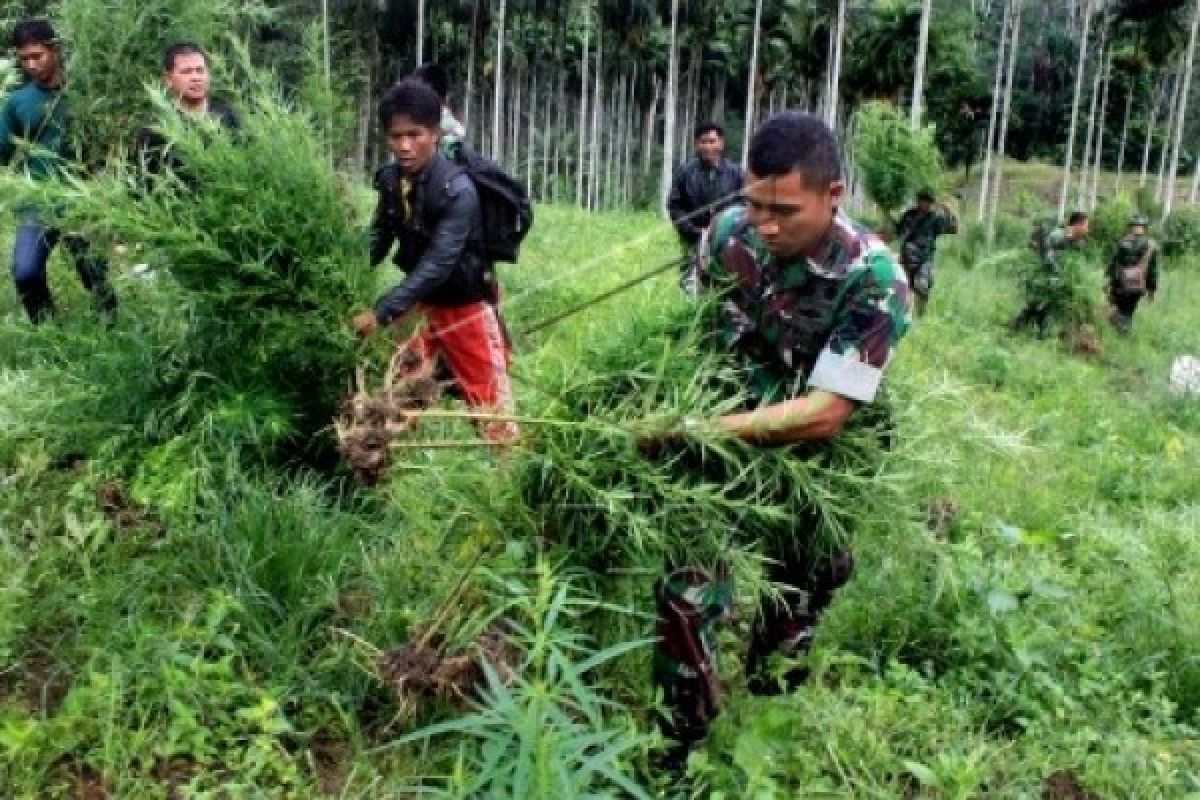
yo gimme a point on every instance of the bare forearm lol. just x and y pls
(817, 416)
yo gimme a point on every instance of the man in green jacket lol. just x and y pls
(33, 138)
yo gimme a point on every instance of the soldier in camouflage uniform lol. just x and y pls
(918, 231)
(1051, 251)
(453, 132)
(1132, 274)
(813, 306)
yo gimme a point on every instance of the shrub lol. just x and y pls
(1181, 232)
(893, 160)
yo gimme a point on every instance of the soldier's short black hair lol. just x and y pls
(33, 31)
(925, 196)
(708, 127)
(412, 98)
(435, 78)
(172, 54)
(793, 141)
(1077, 217)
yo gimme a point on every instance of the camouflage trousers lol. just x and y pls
(1124, 305)
(693, 601)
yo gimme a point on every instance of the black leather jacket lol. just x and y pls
(440, 239)
(694, 201)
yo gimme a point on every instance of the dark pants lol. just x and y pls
(1124, 305)
(1035, 315)
(692, 601)
(920, 280)
(31, 253)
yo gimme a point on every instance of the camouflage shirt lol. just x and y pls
(1057, 244)
(918, 234)
(1130, 252)
(453, 134)
(830, 320)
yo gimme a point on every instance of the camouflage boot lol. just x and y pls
(691, 601)
(786, 627)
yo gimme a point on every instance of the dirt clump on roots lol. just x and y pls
(1063, 785)
(369, 421)
(125, 514)
(1084, 341)
(425, 668)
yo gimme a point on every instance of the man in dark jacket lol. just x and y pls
(185, 72)
(33, 137)
(429, 207)
(703, 187)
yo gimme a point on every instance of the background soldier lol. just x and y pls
(453, 132)
(1132, 273)
(1050, 249)
(918, 230)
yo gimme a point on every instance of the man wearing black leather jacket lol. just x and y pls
(429, 210)
(704, 186)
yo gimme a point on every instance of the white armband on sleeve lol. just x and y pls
(846, 376)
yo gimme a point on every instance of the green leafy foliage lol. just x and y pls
(550, 734)
(257, 252)
(114, 50)
(1181, 232)
(893, 160)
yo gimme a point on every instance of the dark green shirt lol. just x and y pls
(33, 130)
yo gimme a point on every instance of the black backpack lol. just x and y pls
(504, 201)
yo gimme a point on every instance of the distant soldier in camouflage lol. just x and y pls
(813, 306)
(1132, 274)
(918, 231)
(453, 131)
(1051, 250)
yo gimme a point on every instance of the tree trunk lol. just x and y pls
(1098, 160)
(1002, 142)
(1124, 135)
(1172, 108)
(597, 106)
(752, 83)
(994, 118)
(1083, 42)
(530, 148)
(498, 96)
(420, 32)
(918, 92)
(1086, 155)
(831, 112)
(1195, 179)
(1182, 115)
(469, 98)
(650, 128)
(1160, 93)
(583, 117)
(668, 165)
(631, 112)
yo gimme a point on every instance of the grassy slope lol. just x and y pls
(1050, 626)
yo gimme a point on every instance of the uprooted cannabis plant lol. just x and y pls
(252, 258)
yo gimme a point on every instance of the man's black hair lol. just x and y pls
(796, 142)
(925, 196)
(33, 31)
(413, 98)
(181, 49)
(709, 127)
(435, 78)
(1076, 218)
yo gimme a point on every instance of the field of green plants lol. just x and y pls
(197, 599)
